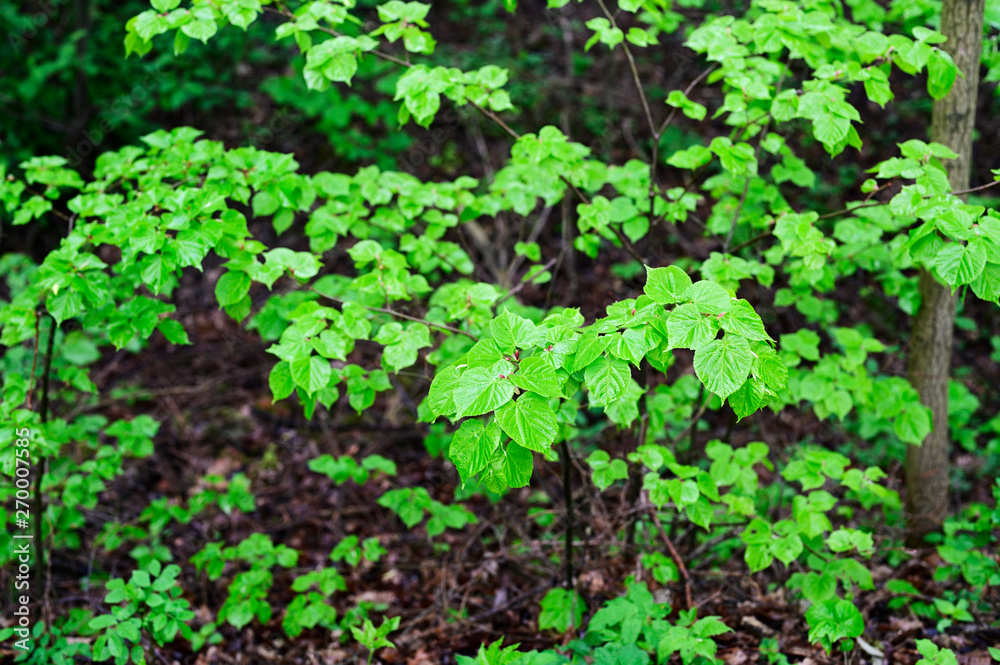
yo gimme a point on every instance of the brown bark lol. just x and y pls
(931, 342)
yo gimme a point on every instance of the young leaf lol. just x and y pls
(483, 389)
(608, 378)
(472, 448)
(513, 331)
(538, 376)
(530, 421)
(666, 286)
(562, 609)
(723, 364)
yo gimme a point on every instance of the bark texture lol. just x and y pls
(931, 341)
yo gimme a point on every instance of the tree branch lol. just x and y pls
(392, 312)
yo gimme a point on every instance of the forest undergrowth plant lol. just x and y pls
(515, 379)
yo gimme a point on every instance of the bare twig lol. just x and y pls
(635, 71)
(875, 204)
(694, 420)
(752, 241)
(756, 156)
(687, 91)
(531, 279)
(568, 497)
(536, 231)
(736, 215)
(676, 557)
(392, 312)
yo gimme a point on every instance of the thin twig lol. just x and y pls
(838, 213)
(753, 240)
(676, 557)
(976, 189)
(330, 31)
(536, 231)
(875, 204)
(568, 497)
(392, 312)
(756, 157)
(531, 279)
(635, 71)
(500, 123)
(655, 163)
(694, 419)
(614, 229)
(58, 213)
(687, 91)
(634, 487)
(495, 118)
(736, 216)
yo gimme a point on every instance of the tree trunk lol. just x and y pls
(931, 340)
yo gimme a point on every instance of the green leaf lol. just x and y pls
(817, 587)
(691, 158)
(483, 389)
(173, 331)
(530, 421)
(666, 286)
(440, 397)
(280, 380)
(688, 328)
(758, 557)
(608, 378)
(510, 467)
(472, 448)
(537, 375)
(102, 621)
(606, 470)
(401, 349)
(588, 349)
(832, 620)
(562, 609)
(743, 320)
(723, 364)
(630, 345)
(311, 373)
(200, 28)
(513, 331)
(65, 305)
(830, 129)
(747, 398)
(913, 424)
(693, 110)
(711, 298)
(604, 32)
(941, 74)
(961, 264)
(164, 6)
(232, 287)
(769, 367)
